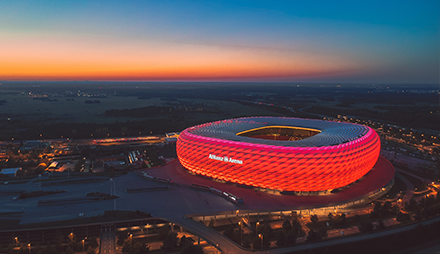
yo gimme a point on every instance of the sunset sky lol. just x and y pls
(286, 41)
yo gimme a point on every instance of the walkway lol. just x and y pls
(411, 174)
(409, 188)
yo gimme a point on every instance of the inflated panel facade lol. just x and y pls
(281, 168)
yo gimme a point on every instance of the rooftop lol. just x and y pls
(330, 133)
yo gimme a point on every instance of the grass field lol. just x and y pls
(27, 114)
(23, 107)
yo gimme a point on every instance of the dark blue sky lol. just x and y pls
(325, 41)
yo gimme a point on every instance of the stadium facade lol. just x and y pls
(279, 153)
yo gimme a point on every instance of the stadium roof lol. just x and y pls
(331, 133)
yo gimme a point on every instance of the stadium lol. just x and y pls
(281, 154)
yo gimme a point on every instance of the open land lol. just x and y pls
(85, 110)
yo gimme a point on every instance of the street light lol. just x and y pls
(241, 232)
(83, 244)
(256, 227)
(146, 235)
(16, 241)
(131, 241)
(71, 239)
(29, 245)
(261, 236)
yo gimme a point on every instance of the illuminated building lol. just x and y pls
(277, 153)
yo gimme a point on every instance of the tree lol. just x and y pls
(170, 242)
(403, 217)
(281, 238)
(411, 206)
(377, 210)
(211, 223)
(140, 247)
(48, 250)
(267, 231)
(192, 249)
(380, 225)
(121, 237)
(229, 233)
(291, 236)
(330, 218)
(93, 242)
(314, 218)
(127, 245)
(184, 241)
(90, 250)
(247, 242)
(386, 208)
(313, 236)
(238, 233)
(296, 225)
(286, 225)
(69, 251)
(395, 209)
(339, 220)
(256, 243)
(316, 235)
(163, 232)
(365, 227)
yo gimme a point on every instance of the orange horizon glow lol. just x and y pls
(55, 58)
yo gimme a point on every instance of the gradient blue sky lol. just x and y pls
(303, 41)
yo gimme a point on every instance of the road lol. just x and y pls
(431, 250)
(409, 188)
(210, 235)
(411, 174)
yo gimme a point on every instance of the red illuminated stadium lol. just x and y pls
(284, 154)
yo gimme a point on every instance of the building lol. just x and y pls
(34, 145)
(11, 172)
(282, 154)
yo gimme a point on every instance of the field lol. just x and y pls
(24, 108)
(27, 117)
(84, 110)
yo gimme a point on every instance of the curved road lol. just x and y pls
(409, 188)
(210, 235)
